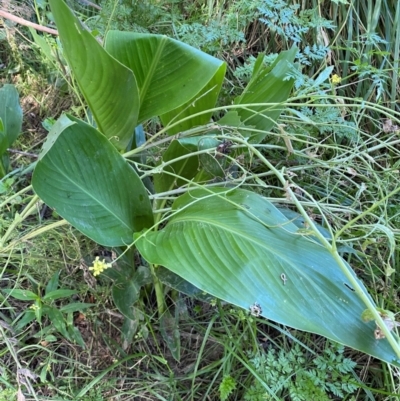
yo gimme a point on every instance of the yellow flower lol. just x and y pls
(99, 266)
(34, 307)
(335, 79)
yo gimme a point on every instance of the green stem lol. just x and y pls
(34, 234)
(369, 210)
(10, 198)
(158, 288)
(19, 218)
(12, 350)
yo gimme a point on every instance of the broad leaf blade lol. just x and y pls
(204, 100)
(90, 184)
(169, 73)
(10, 116)
(108, 86)
(57, 129)
(267, 85)
(237, 246)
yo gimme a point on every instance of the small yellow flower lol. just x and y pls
(34, 307)
(99, 266)
(335, 79)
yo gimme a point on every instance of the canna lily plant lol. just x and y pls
(215, 238)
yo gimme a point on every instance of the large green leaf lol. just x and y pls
(238, 247)
(90, 184)
(204, 100)
(109, 87)
(169, 73)
(10, 123)
(10, 116)
(267, 85)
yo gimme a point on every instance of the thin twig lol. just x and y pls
(88, 3)
(22, 21)
(23, 153)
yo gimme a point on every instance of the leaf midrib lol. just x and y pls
(152, 69)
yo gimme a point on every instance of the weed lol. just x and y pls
(286, 374)
(227, 386)
(296, 26)
(43, 306)
(218, 29)
(133, 15)
(7, 394)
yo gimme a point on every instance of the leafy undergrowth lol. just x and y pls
(109, 361)
(225, 353)
(342, 158)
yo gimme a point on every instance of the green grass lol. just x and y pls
(344, 166)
